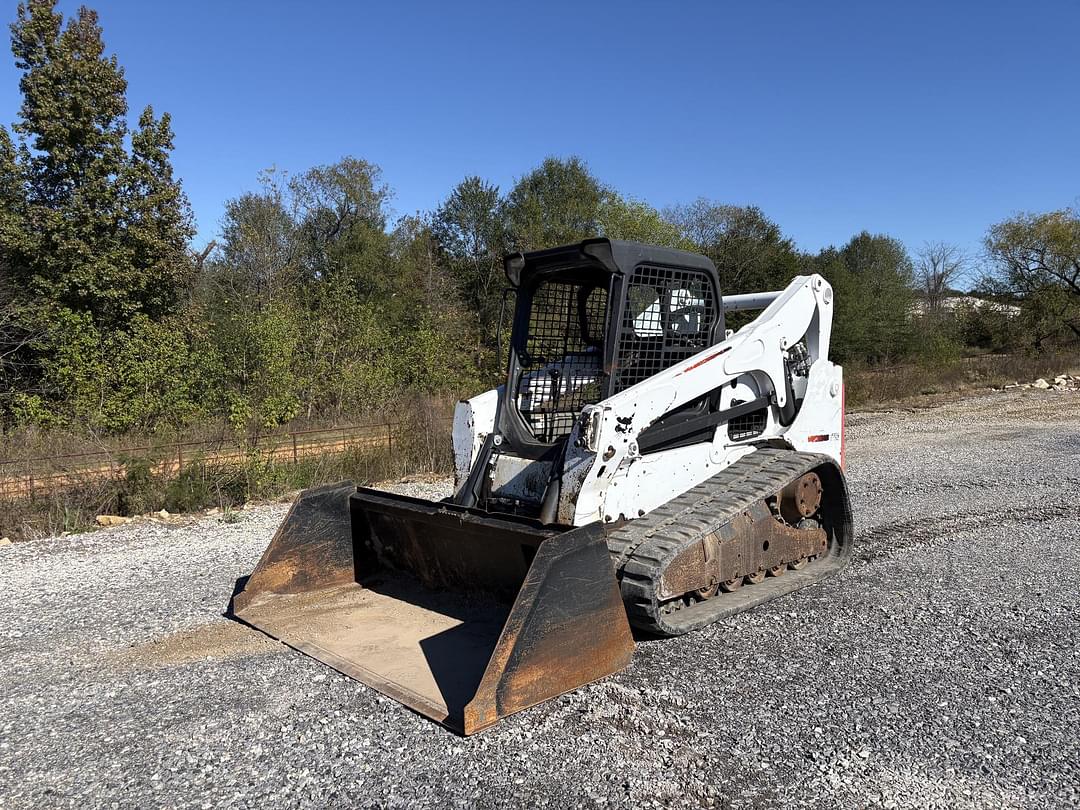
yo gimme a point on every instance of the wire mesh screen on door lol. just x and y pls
(562, 369)
(669, 316)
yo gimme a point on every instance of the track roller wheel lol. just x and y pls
(731, 585)
(778, 571)
(799, 565)
(707, 593)
(755, 578)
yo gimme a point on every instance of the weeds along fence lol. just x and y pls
(394, 445)
(50, 493)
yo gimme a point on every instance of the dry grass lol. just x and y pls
(139, 483)
(914, 384)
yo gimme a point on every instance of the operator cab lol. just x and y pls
(590, 320)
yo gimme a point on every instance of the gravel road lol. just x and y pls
(939, 669)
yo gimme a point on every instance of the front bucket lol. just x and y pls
(463, 616)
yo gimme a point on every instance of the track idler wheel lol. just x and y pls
(801, 498)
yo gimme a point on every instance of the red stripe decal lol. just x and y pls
(843, 418)
(705, 360)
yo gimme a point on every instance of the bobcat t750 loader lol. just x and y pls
(642, 466)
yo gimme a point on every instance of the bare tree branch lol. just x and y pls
(199, 257)
(939, 266)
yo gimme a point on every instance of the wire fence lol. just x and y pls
(41, 475)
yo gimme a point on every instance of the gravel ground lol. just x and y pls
(939, 669)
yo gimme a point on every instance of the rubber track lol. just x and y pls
(642, 548)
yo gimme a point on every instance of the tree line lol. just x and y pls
(316, 302)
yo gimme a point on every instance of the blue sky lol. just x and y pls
(926, 121)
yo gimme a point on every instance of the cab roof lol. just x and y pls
(614, 255)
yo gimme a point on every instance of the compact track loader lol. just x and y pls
(642, 466)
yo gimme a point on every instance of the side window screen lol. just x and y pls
(669, 316)
(561, 362)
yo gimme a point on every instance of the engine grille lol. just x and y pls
(748, 425)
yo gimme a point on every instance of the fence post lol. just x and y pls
(294, 457)
(390, 444)
(179, 457)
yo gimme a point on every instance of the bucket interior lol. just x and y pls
(392, 591)
(427, 649)
(463, 617)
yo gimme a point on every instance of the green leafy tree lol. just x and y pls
(336, 205)
(72, 129)
(93, 233)
(12, 200)
(248, 309)
(625, 218)
(247, 365)
(471, 231)
(1035, 262)
(991, 325)
(750, 251)
(557, 203)
(104, 231)
(313, 309)
(872, 276)
(437, 354)
(157, 220)
(260, 247)
(15, 333)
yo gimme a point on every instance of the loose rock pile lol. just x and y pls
(161, 516)
(1062, 382)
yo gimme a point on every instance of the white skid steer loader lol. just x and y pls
(642, 466)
